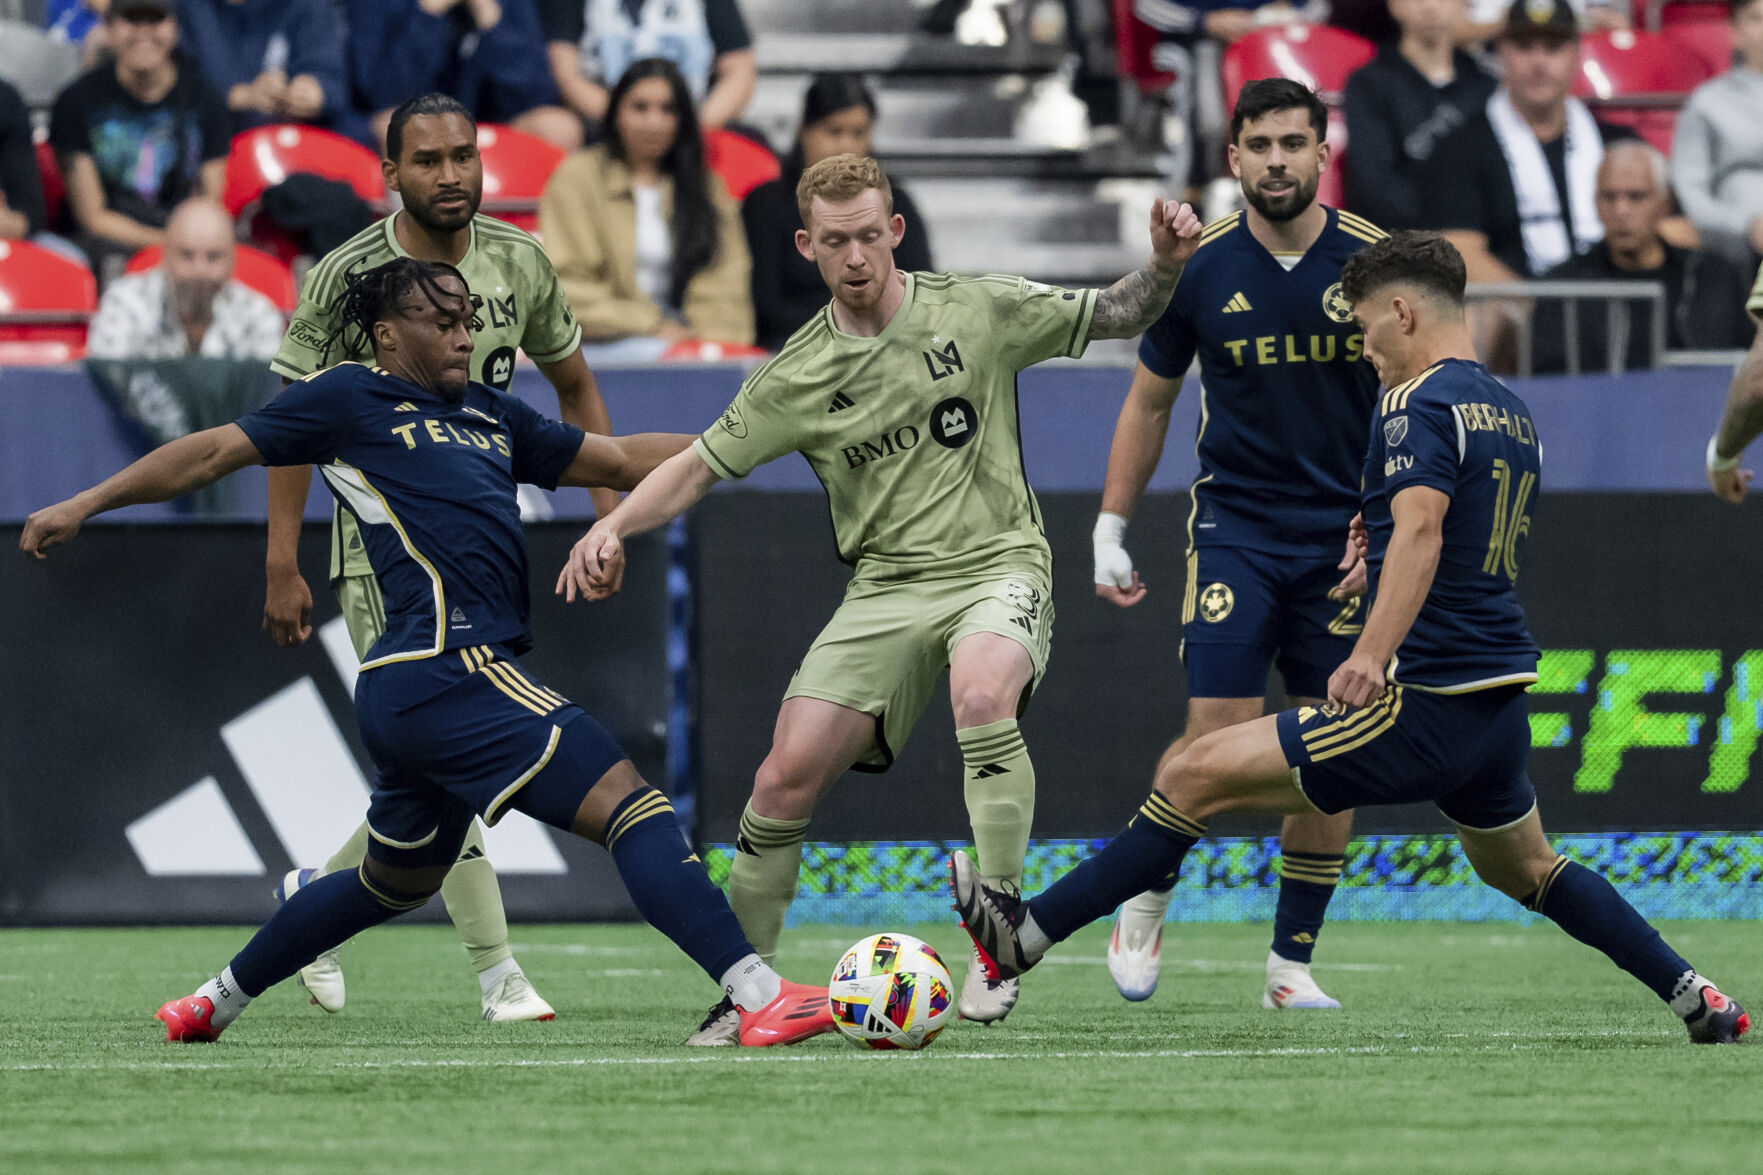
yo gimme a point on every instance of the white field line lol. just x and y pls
(1529, 1041)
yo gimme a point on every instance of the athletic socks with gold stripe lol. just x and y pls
(1145, 854)
(1306, 882)
(762, 876)
(667, 883)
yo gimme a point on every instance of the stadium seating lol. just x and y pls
(1317, 55)
(1134, 40)
(251, 267)
(1711, 40)
(46, 302)
(1639, 80)
(516, 166)
(265, 156)
(54, 188)
(742, 163)
(1654, 15)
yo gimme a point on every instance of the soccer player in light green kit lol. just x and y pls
(432, 163)
(902, 396)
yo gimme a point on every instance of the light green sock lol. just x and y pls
(350, 856)
(762, 877)
(1000, 791)
(474, 903)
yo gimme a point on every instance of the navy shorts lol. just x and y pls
(468, 733)
(1464, 752)
(1245, 611)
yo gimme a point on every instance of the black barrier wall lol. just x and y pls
(1647, 718)
(162, 761)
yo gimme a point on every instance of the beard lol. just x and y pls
(449, 221)
(1292, 204)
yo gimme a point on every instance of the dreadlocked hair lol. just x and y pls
(372, 295)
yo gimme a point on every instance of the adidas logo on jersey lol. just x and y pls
(1236, 303)
(841, 402)
(407, 406)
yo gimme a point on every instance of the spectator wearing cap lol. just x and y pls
(1704, 292)
(137, 136)
(838, 116)
(1488, 17)
(275, 60)
(189, 304)
(1717, 153)
(590, 43)
(1515, 187)
(488, 54)
(1401, 105)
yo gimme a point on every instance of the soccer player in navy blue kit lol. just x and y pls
(1431, 703)
(1285, 399)
(427, 462)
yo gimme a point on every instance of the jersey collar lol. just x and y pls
(398, 249)
(887, 332)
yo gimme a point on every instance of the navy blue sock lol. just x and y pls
(323, 914)
(1306, 882)
(668, 884)
(1587, 907)
(1146, 854)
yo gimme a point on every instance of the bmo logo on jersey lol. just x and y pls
(953, 423)
(889, 444)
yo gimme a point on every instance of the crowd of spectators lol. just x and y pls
(1465, 122)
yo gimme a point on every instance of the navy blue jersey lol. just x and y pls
(432, 483)
(1459, 430)
(1285, 394)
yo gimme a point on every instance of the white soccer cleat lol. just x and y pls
(1289, 985)
(323, 977)
(721, 1026)
(986, 1001)
(1135, 949)
(514, 999)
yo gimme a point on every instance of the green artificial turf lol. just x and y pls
(1462, 1048)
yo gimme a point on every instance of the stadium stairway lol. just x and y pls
(950, 116)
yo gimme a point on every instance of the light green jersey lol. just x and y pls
(523, 307)
(1755, 303)
(914, 433)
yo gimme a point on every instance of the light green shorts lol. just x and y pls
(884, 649)
(364, 611)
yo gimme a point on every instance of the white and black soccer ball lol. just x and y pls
(891, 991)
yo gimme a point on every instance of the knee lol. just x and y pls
(982, 703)
(1518, 878)
(1189, 779)
(405, 886)
(785, 788)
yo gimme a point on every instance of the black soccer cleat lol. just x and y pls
(1718, 1019)
(991, 917)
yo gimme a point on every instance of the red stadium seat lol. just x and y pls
(1133, 42)
(267, 155)
(1657, 14)
(1624, 64)
(54, 188)
(742, 163)
(1711, 40)
(1317, 55)
(516, 166)
(251, 267)
(46, 301)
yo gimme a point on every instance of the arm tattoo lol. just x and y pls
(1743, 418)
(1127, 307)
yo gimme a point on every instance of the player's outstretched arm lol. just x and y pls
(287, 601)
(1127, 307)
(1739, 426)
(620, 463)
(172, 470)
(1139, 434)
(1408, 568)
(595, 568)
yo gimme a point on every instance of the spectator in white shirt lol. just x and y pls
(189, 304)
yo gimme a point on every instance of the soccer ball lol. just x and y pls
(891, 991)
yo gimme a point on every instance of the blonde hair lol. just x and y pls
(838, 178)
